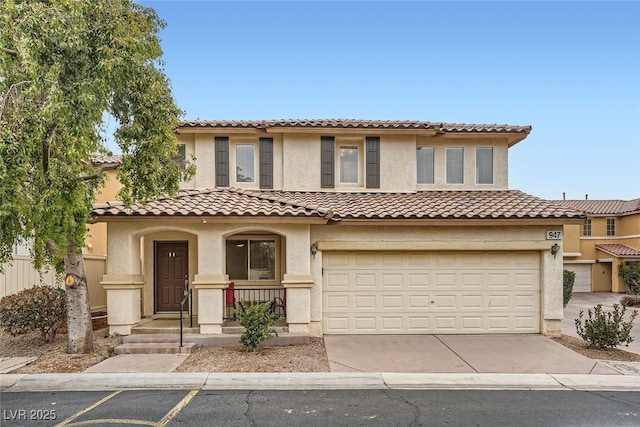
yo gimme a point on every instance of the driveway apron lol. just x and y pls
(456, 354)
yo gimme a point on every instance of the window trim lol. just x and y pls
(587, 227)
(237, 145)
(610, 227)
(479, 172)
(277, 261)
(450, 149)
(433, 164)
(358, 148)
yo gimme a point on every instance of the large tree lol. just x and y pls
(64, 66)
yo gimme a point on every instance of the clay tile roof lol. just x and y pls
(103, 159)
(619, 250)
(211, 203)
(508, 204)
(355, 124)
(603, 207)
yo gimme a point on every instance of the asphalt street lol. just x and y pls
(321, 408)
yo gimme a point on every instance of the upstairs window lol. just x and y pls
(181, 157)
(484, 165)
(611, 226)
(455, 165)
(586, 227)
(425, 165)
(348, 164)
(245, 163)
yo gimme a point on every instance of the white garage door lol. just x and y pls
(431, 292)
(583, 277)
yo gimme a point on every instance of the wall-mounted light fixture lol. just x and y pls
(555, 249)
(314, 249)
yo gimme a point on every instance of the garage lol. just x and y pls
(582, 282)
(431, 292)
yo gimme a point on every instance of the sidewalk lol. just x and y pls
(314, 381)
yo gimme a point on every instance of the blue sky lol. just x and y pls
(569, 69)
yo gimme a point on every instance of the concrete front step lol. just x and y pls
(168, 330)
(153, 348)
(211, 341)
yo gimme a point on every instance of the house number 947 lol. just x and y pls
(554, 235)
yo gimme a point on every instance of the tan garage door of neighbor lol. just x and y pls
(431, 292)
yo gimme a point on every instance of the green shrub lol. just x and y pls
(568, 277)
(630, 274)
(257, 320)
(606, 329)
(41, 308)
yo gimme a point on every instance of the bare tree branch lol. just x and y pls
(9, 51)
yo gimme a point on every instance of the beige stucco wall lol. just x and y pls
(297, 160)
(96, 241)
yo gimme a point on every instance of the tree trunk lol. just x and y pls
(79, 329)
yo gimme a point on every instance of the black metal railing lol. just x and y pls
(236, 300)
(187, 295)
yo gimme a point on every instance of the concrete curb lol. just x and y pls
(314, 381)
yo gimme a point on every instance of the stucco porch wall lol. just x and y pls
(132, 249)
(406, 238)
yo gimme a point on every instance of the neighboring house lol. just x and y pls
(370, 227)
(20, 273)
(609, 236)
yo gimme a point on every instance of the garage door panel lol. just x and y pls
(365, 280)
(390, 280)
(418, 302)
(418, 280)
(378, 293)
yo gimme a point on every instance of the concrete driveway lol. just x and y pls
(456, 353)
(473, 353)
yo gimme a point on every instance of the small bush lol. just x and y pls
(257, 320)
(606, 330)
(630, 300)
(41, 308)
(630, 274)
(568, 277)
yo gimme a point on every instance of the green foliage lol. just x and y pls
(257, 320)
(65, 64)
(568, 277)
(630, 274)
(606, 329)
(42, 308)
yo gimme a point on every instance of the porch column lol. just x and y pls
(210, 288)
(552, 309)
(123, 281)
(298, 288)
(123, 301)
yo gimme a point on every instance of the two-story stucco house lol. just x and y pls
(610, 235)
(366, 226)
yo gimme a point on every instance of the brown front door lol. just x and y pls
(172, 273)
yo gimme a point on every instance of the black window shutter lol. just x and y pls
(266, 162)
(327, 159)
(222, 161)
(373, 162)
